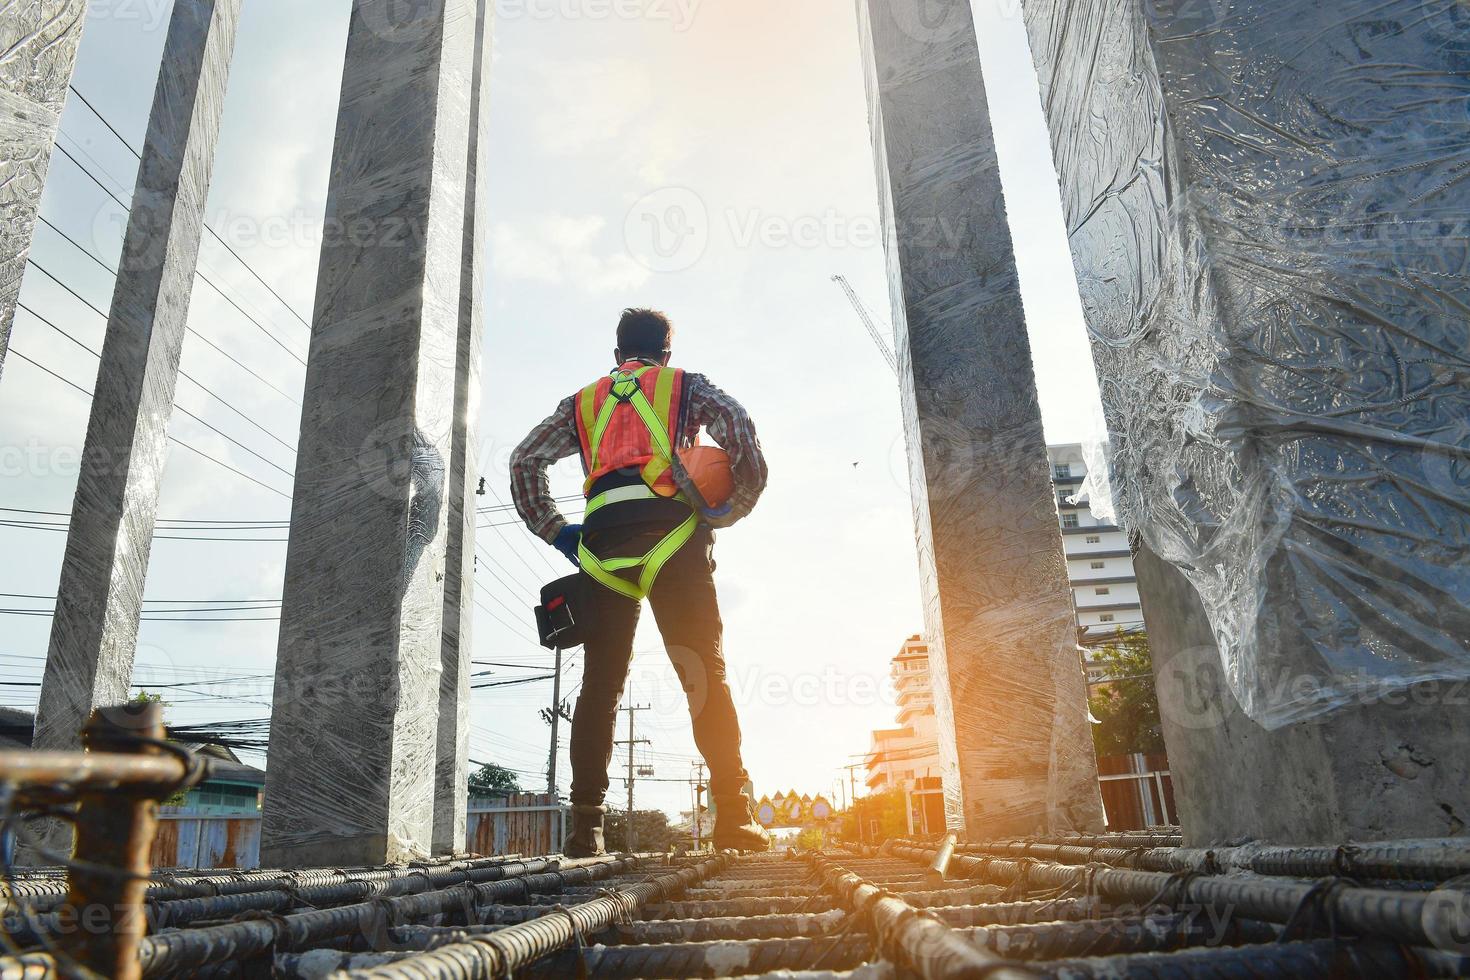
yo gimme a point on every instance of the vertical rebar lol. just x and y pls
(115, 827)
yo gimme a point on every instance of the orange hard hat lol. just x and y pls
(709, 469)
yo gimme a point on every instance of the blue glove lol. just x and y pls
(566, 542)
(715, 513)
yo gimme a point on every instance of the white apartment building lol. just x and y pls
(907, 757)
(1099, 564)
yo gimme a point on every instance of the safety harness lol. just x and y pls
(655, 415)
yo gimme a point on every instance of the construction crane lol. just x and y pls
(867, 318)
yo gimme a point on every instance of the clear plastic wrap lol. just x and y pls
(38, 48)
(1009, 692)
(1267, 205)
(354, 722)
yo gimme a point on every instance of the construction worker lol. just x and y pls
(642, 508)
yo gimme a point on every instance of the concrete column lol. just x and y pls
(1008, 681)
(353, 744)
(38, 48)
(1273, 269)
(95, 628)
(451, 775)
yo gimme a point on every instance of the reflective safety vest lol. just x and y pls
(629, 420)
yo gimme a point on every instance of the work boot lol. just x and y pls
(735, 826)
(585, 840)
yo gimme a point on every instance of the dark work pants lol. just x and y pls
(688, 615)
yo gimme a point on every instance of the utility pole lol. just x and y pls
(632, 709)
(698, 796)
(852, 782)
(555, 722)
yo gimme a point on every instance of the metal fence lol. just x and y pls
(1137, 791)
(526, 823)
(523, 823)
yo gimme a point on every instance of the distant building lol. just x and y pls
(906, 758)
(1099, 563)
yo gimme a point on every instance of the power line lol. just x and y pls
(248, 268)
(113, 272)
(192, 522)
(197, 272)
(174, 439)
(187, 377)
(181, 408)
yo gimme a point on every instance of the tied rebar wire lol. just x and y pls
(501, 953)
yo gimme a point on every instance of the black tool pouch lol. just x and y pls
(557, 618)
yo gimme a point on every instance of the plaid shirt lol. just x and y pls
(706, 407)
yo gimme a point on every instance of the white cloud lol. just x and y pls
(602, 108)
(561, 250)
(591, 103)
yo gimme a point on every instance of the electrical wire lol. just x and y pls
(199, 273)
(241, 259)
(187, 377)
(174, 439)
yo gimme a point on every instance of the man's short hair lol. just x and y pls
(644, 333)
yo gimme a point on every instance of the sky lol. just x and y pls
(741, 124)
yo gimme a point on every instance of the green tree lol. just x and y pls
(811, 839)
(652, 827)
(1127, 708)
(180, 798)
(493, 780)
(888, 810)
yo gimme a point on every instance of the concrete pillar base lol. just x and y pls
(1394, 769)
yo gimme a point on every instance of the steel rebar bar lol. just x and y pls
(180, 952)
(739, 906)
(1324, 959)
(1107, 937)
(930, 946)
(677, 961)
(1429, 860)
(515, 947)
(1402, 916)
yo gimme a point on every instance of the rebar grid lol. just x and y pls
(508, 950)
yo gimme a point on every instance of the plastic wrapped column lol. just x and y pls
(95, 629)
(38, 48)
(451, 778)
(1268, 218)
(354, 725)
(1267, 214)
(1008, 682)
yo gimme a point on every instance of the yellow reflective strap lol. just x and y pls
(617, 496)
(663, 395)
(588, 404)
(666, 549)
(652, 563)
(655, 425)
(599, 429)
(593, 567)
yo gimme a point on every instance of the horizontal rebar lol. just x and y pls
(47, 891)
(739, 906)
(1324, 959)
(930, 946)
(182, 951)
(513, 948)
(73, 772)
(327, 895)
(1403, 916)
(1105, 937)
(1433, 860)
(1018, 913)
(729, 927)
(677, 961)
(31, 966)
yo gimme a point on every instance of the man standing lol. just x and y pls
(640, 507)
